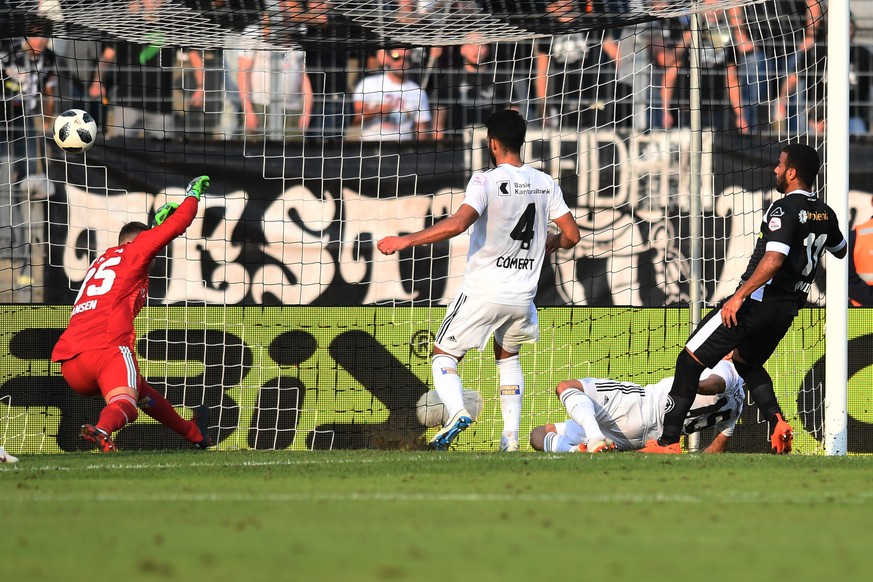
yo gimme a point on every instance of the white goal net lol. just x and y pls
(275, 308)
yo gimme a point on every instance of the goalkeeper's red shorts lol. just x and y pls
(101, 371)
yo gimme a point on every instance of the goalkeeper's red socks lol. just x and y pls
(120, 411)
(159, 408)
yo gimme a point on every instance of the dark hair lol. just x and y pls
(131, 229)
(508, 127)
(805, 161)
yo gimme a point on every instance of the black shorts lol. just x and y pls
(761, 325)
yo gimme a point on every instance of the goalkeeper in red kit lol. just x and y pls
(97, 352)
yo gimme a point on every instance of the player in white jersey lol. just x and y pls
(509, 209)
(607, 414)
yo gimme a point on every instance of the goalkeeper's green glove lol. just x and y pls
(163, 213)
(197, 187)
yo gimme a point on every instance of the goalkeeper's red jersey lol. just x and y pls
(115, 290)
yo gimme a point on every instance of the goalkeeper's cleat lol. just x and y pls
(580, 448)
(6, 457)
(508, 444)
(99, 437)
(201, 419)
(600, 446)
(460, 421)
(163, 213)
(654, 447)
(781, 437)
(197, 187)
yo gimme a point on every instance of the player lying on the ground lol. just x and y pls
(607, 414)
(97, 350)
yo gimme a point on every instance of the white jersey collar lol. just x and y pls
(804, 192)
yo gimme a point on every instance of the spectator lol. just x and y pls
(237, 16)
(801, 58)
(77, 65)
(327, 71)
(136, 80)
(274, 89)
(230, 119)
(860, 89)
(631, 52)
(567, 82)
(751, 64)
(29, 83)
(139, 91)
(861, 264)
(719, 72)
(513, 62)
(668, 49)
(813, 73)
(721, 75)
(464, 88)
(388, 105)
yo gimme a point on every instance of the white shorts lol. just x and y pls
(470, 323)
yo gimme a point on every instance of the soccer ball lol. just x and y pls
(431, 411)
(75, 131)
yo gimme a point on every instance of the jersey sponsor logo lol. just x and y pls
(774, 224)
(515, 263)
(84, 306)
(449, 371)
(522, 188)
(503, 189)
(478, 179)
(804, 216)
(510, 390)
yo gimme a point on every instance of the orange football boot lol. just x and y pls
(653, 447)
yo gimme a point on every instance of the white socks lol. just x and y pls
(511, 393)
(581, 410)
(449, 388)
(447, 383)
(557, 443)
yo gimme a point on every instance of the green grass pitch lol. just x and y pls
(399, 515)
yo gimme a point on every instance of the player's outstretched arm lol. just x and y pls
(718, 445)
(195, 189)
(172, 219)
(442, 230)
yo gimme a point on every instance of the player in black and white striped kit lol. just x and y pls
(509, 209)
(795, 232)
(610, 414)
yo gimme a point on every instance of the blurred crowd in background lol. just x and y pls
(763, 68)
